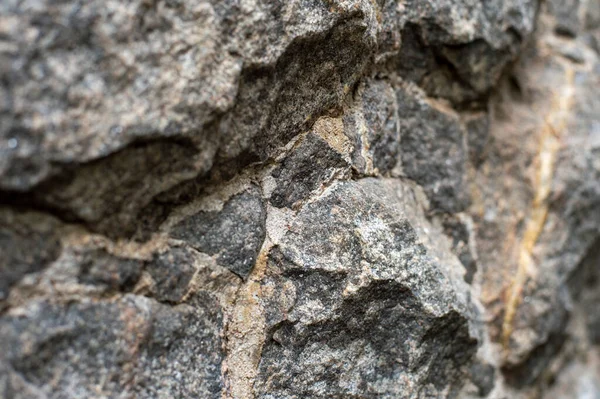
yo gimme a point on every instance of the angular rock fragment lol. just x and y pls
(316, 71)
(432, 150)
(311, 166)
(172, 272)
(108, 193)
(458, 49)
(235, 234)
(373, 128)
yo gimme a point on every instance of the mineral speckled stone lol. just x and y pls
(172, 272)
(371, 311)
(432, 150)
(134, 346)
(373, 125)
(269, 199)
(234, 234)
(312, 165)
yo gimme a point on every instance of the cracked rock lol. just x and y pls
(269, 199)
(361, 306)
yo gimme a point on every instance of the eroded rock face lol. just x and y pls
(359, 304)
(299, 199)
(134, 346)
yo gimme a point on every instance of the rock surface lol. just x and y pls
(300, 199)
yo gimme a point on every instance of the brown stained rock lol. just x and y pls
(533, 185)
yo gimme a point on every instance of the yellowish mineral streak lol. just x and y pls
(332, 131)
(245, 335)
(554, 125)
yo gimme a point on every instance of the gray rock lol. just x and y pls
(312, 164)
(483, 376)
(133, 346)
(27, 243)
(186, 82)
(98, 267)
(459, 232)
(246, 199)
(568, 22)
(372, 311)
(374, 128)
(172, 272)
(477, 126)
(458, 49)
(234, 234)
(583, 286)
(433, 150)
(539, 197)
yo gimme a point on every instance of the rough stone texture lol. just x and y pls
(458, 49)
(432, 151)
(134, 346)
(311, 165)
(373, 128)
(26, 247)
(300, 199)
(358, 304)
(235, 234)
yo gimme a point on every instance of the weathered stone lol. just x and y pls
(246, 199)
(568, 16)
(432, 150)
(372, 312)
(133, 346)
(235, 234)
(538, 331)
(373, 128)
(459, 230)
(477, 126)
(583, 286)
(458, 49)
(539, 197)
(172, 272)
(316, 71)
(312, 165)
(27, 243)
(483, 376)
(169, 83)
(98, 267)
